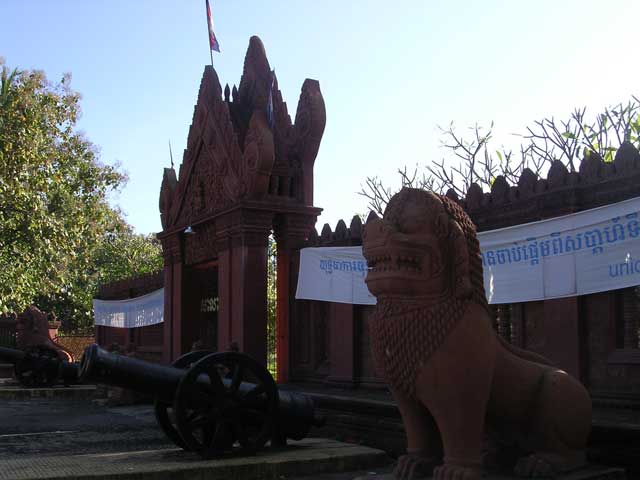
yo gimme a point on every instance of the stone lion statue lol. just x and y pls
(32, 330)
(453, 378)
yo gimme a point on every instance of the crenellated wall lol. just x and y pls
(594, 337)
(330, 341)
(596, 183)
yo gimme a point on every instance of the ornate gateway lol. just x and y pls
(247, 171)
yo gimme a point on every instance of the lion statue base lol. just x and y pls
(453, 378)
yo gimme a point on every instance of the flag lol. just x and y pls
(213, 41)
(270, 116)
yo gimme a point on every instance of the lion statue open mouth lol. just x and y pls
(451, 375)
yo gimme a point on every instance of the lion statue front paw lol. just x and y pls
(457, 472)
(414, 466)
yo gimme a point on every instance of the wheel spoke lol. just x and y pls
(199, 397)
(217, 386)
(192, 415)
(208, 435)
(253, 394)
(207, 388)
(221, 431)
(199, 421)
(251, 413)
(242, 433)
(238, 372)
(215, 408)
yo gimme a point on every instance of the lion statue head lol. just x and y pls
(32, 330)
(424, 247)
(32, 327)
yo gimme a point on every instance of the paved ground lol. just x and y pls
(54, 432)
(65, 427)
(62, 438)
(309, 456)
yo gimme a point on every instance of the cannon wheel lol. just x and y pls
(163, 417)
(238, 402)
(39, 368)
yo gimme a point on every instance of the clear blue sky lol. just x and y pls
(390, 72)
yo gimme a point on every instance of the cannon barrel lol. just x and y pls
(69, 372)
(296, 411)
(40, 366)
(11, 355)
(98, 365)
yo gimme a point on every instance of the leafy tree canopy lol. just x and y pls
(58, 235)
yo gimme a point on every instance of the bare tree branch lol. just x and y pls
(544, 142)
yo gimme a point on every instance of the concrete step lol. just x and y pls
(6, 370)
(8, 382)
(592, 472)
(310, 457)
(76, 392)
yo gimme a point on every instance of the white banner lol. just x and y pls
(587, 252)
(334, 274)
(130, 313)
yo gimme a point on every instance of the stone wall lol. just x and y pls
(146, 341)
(594, 337)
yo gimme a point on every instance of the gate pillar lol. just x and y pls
(291, 232)
(242, 281)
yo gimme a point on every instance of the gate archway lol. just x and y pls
(247, 169)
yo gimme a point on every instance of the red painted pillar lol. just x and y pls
(168, 317)
(249, 294)
(341, 347)
(562, 334)
(176, 312)
(172, 298)
(242, 237)
(225, 305)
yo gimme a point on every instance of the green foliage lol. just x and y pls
(125, 254)
(271, 304)
(118, 254)
(58, 235)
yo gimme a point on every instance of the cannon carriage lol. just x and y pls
(40, 366)
(209, 403)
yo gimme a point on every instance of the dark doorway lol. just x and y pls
(200, 308)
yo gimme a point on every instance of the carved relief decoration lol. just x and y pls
(167, 192)
(201, 246)
(234, 154)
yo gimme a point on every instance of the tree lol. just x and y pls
(118, 254)
(473, 160)
(55, 219)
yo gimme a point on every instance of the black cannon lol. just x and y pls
(210, 403)
(40, 366)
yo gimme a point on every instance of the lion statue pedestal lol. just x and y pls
(453, 378)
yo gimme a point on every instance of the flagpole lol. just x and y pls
(213, 42)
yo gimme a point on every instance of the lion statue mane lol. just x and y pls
(454, 379)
